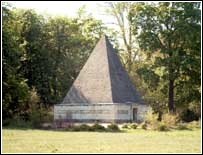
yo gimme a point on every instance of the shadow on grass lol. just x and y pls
(60, 129)
(182, 129)
(106, 130)
(17, 128)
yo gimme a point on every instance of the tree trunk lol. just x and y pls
(171, 96)
(129, 59)
(171, 80)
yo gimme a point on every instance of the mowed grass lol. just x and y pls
(136, 141)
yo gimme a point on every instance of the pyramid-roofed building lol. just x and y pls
(102, 91)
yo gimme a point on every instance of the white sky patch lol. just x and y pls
(52, 7)
(67, 8)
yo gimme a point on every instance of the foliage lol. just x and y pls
(44, 53)
(84, 127)
(170, 120)
(161, 51)
(16, 122)
(130, 126)
(113, 127)
(98, 127)
(194, 124)
(188, 115)
(15, 89)
(151, 119)
(162, 127)
(182, 126)
(133, 125)
(95, 127)
(125, 126)
(37, 113)
(73, 128)
(169, 34)
(144, 125)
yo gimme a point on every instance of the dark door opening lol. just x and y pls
(135, 114)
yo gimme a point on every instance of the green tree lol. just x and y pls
(170, 32)
(36, 65)
(15, 90)
(43, 55)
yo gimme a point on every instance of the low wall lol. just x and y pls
(142, 110)
(98, 112)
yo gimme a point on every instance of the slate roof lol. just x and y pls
(102, 79)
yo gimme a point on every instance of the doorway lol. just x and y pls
(135, 114)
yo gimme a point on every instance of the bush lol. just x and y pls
(85, 127)
(37, 113)
(6, 122)
(113, 127)
(151, 119)
(182, 126)
(38, 116)
(194, 124)
(82, 127)
(189, 115)
(130, 126)
(125, 126)
(144, 125)
(98, 127)
(162, 127)
(151, 116)
(170, 120)
(74, 128)
(133, 126)
(35, 118)
(17, 122)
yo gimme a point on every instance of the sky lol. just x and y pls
(67, 8)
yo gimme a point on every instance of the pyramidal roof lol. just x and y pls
(102, 79)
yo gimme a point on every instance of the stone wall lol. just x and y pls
(98, 112)
(142, 110)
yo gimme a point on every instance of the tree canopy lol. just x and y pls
(42, 55)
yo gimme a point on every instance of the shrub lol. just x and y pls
(151, 119)
(37, 113)
(97, 127)
(125, 126)
(162, 127)
(18, 122)
(68, 128)
(189, 115)
(194, 124)
(6, 122)
(144, 125)
(40, 115)
(133, 126)
(170, 120)
(35, 118)
(113, 127)
(75, 128)
(182, 126)
(85, 127)
(82, 127)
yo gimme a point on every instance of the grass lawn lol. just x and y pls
(136, 141)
